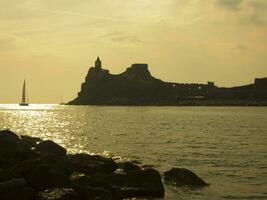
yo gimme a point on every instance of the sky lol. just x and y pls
(53, 43)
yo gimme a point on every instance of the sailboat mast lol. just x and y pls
(24, 93)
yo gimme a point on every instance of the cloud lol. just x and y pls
(232, 5)
(122, 37)
(255, 13)
(255, 19)
(250, 12)
(259, 5)
(240, 47)
(7, 43)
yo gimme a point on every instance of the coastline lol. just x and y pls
(189, 103)
(37, 169)
(137, 87)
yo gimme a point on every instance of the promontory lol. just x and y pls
(136, 86)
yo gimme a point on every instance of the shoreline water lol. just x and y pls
(177, 104)
(163, 137)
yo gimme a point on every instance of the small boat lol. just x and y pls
(24, 101)
(61, 101)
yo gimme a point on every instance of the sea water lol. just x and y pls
(226, 146)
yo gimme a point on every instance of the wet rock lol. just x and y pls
(45, 176)
(89, 193)
(136, 162)
(8, 135)
(147, 166)
(128, 166)
(8, 162)
(63, 164)
(13, 183)
(12, 146)
(29, 194)
(31, 141)
(41, 168)
(84, 180)
(44, 165)
(58, 194)
(42, 173)
(139, 183)
(183, 177)
(50, 147)
(89, 164)
(6, 175)
(16, 189)
(79, 179)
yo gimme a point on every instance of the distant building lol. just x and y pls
(98, 64)
(261, 82)
(211, 84)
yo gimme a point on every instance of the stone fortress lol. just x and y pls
(136, 86)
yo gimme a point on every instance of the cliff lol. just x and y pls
(136, 86)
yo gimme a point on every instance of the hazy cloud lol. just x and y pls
(255, 13)
(241, 47)
(251, 12)
(229, 4)
(255, 19)
(7, 44)
(122, 37)
(259, 5)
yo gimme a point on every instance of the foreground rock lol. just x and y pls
(50, 147)
(32, 169)
(12, 146)
(16, 189)
(58, 194)
(92, 164)
(138, 183)
(128, 166)
(183, 177)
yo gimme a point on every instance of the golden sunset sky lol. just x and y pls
(52, 43)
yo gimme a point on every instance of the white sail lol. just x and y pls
(24, 100)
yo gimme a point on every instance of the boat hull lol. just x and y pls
(23, 104)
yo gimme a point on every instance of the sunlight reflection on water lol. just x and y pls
(224, 145)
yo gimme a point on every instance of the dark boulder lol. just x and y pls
(89, 193)
(58, 194)
(138, 183)
(31, 141)
(12, 146)
(14, 188)
(84, 180)
(8, 135)
(42, 173)
(50, 147)
(26, 167)
(183, 177)
(128, 166)
(6, 174)
(45, 176)
(90, 164)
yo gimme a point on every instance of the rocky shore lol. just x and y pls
(34, 169)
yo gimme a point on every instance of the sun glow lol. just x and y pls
(28, 108)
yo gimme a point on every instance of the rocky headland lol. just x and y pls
(136, 86)
(34, 169)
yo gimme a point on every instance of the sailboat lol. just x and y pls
(61, 100)
(24, 101)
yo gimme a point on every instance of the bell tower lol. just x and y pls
(98, 64)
